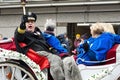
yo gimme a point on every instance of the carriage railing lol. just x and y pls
(8, 54)
(96, 62)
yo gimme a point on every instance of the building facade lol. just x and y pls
(79, 12)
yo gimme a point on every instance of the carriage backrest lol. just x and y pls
(8, 44)
(111, 54)
(40, 60)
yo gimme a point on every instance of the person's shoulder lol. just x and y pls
(107, 34)
(46, 35)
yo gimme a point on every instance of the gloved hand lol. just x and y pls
(54, 51)
(86, 46)
(23, 21)
(22, 25)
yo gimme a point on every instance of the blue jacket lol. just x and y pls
(55, 43)
(98, 48)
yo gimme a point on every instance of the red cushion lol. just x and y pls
(42, 61)
(8, 46)
(111, 54)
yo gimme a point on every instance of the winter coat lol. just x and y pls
(98, 48)
(55, 43)
(34, 40)
(77, 42)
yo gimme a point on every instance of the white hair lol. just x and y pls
(108, 28)
(50, 22)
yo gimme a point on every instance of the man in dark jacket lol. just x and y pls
(32, 36)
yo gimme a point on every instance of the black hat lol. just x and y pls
(31, 16)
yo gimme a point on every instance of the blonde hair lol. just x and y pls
(108, 28)
(97, 28)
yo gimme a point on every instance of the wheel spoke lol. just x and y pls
(13, 73)
(3, 73)
(24, 77)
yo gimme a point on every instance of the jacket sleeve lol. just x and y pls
(116, 38)
(55, 43)
(20, 31)
(19, 34)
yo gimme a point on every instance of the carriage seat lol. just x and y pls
(111, 54)
(40, 60)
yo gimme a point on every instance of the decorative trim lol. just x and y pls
(102, 74)
(19, 56)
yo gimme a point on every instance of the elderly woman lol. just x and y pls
(94, 49)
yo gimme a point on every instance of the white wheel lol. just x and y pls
(118, 78)
(11, 70)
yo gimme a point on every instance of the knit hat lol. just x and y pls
(78, 35)
(50, 25)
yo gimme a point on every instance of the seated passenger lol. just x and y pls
(33, 38)
(54, 43)
(94, 49)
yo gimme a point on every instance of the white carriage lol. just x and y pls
(106, 70)
(16, 66)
